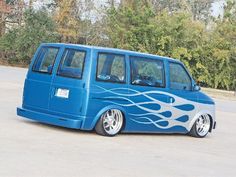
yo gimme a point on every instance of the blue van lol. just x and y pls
(111, 90)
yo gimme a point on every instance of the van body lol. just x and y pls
(74, 85)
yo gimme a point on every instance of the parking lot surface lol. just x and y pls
(30, 149)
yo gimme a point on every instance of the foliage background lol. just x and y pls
(181, 29)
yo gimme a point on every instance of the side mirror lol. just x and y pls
(196, 87)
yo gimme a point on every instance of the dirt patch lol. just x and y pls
(20, 65)
(216, 93)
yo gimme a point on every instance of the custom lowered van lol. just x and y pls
(113, 90)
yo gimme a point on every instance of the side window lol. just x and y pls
(45, 59)
(110, 68)
(148, 72)
(179, 78)
(72, 63)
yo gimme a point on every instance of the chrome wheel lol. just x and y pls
(203, 124)
(112, 121)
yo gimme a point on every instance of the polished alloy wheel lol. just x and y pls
(112, 121)
(203, 124)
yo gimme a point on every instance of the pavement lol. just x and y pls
(31, 149)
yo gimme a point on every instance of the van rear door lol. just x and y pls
(68, 86)
(39, 78)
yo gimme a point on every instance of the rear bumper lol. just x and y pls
(50, 119)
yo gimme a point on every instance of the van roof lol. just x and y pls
(112, 49)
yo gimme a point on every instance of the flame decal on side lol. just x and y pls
(155, 112)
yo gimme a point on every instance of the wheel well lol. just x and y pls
(123, 114)
(211, 122)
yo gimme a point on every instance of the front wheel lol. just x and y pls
(201, 126)
(110, 123)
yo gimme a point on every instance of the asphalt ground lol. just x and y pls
(29, 149)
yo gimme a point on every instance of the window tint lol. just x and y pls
(72, 63)
(149, 72)
(179, 78)
(45, 59)
(111, 68)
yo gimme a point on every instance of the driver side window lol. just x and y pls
(179, 78)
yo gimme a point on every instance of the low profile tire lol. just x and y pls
(201, 126)
(110, 123)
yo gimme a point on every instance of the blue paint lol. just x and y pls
(146, 108)
(185, 107)
(184, 118)
(166, 114)
(164, 123)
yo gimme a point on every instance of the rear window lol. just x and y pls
(45, 60)
(72, 63)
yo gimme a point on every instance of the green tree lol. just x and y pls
(138, 28)
(19, 44)
(208, 54)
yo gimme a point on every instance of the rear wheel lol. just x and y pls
(110, 123)
(201, 126)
